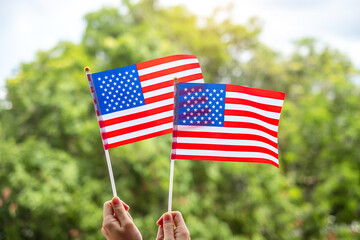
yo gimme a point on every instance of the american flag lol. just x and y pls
(136, 102)
(224, 122)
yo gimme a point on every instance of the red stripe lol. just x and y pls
(137, 127)
(223, 159)
(137, 115)
(235, 136)
(170, 83)
(219, 147)
(255, 91)
(159, 61)
(265, 107)
(242, 113)
(168, 71)
(190, 78)
(151, 135)
(158, 86)
(159, 97)
(251, 126)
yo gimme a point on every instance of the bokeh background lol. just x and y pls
(53, 175)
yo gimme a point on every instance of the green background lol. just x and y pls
(53, 174)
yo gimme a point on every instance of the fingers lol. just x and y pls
(168, 226)
(108, 210)
(178, 219)
(160, 234)
(120, 212)
(177, 216)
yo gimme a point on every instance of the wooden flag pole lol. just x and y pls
(107, 155)
(174, 140)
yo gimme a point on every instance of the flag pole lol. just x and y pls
(174, 140)
(107, 155)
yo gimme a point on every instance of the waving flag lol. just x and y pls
(223, 122)
(136, 102)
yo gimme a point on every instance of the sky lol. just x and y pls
(29, 26)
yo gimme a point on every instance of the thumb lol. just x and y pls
(168, 227)
(120, 211)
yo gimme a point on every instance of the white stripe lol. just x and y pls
(159, 92)
(264, 100)
(251, 120)
(137, 121)
(140, 133)
(167, 65)
(138, 109)
(226, 154)
(241, 107)
(232, 142)
(226, 130)
(170, 77)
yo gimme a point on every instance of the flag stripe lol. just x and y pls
(225, 148)
(168, 71)
(250, 126)
(205, 130)
(136, 139)
(262, 106)
(163, 60)
(232, 108)
(224, 137)
(159, 92)
(255, 92)
(167, 65)
(140, 133)
(193, 77)
(160, 98)
(272, 127)
(179, 74)
(138, 120)
(230, 142)
(227, 159)
(137, 115)
(225, 154)
(139, 109)
(137, 127)
(262, 100)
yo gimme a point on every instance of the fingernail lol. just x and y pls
(126, 206)
(160, 221)
(116, 201)
(167, 217)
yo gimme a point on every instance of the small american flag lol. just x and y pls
(224, 122)
(136, 102)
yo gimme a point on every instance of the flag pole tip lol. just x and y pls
(175, 79)
(87, 69)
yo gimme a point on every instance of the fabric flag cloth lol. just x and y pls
(136, 102)
(224, 122)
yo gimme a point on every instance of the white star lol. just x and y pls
(110, 80)
(105, 102)
(126, 72)
(99, 78)
(221, 90)
(105, 77)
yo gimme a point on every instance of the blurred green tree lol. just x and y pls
(53, 175)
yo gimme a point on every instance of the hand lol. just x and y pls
(117, 222)
(166, 227)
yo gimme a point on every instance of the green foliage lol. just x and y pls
(53, 175)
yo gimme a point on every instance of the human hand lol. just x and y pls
(166, 227)
(118, 223)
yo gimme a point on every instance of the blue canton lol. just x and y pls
(118, 89)
(201, 104)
